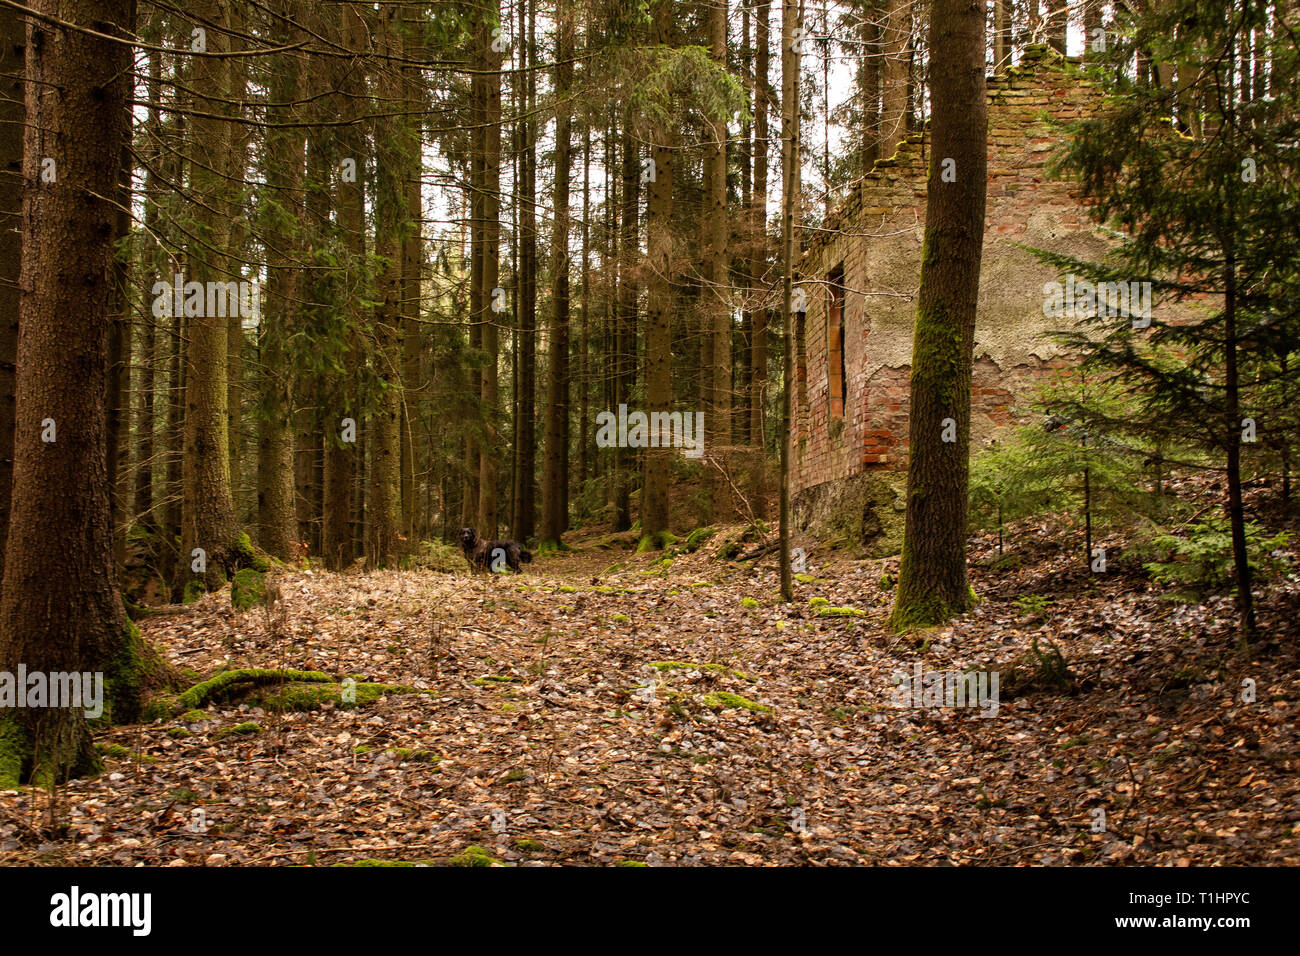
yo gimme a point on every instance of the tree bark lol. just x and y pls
(933, 583)
(659, 302)
(790, 137)
(718, 295)
(207, 516)
(61, 609)
(490, 252)
(555, 467)
(13, 37)
(285, 145)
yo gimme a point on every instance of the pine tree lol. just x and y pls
(1207, 214)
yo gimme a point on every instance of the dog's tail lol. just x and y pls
(525, 557)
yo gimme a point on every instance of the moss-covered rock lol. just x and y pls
(864, 514)
(697, 537)
(473, 856)
(246, 729)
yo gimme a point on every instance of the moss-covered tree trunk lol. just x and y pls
(61, 610)
(932, 580)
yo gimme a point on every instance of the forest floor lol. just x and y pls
(542, 731)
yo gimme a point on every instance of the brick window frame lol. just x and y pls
(836, 368)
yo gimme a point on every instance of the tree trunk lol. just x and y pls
(625, 324)
(790, 50)
(932, 583)
(758, 224)
(897, 34)
(276, 518)
(555, 467)
(340, 394)
(12, 41)
(208, 525)
(395, 165)
(61, 610)
(490, 251)
(659, 303)
(718, 271)
(525, 510)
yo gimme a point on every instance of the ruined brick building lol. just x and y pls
(853, 345)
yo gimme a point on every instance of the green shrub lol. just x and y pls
(1203, 557)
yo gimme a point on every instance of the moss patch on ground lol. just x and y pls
(715, 668)
(247, 589)
(720, 699)
(473, 856)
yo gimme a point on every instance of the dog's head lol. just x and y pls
(468, 538)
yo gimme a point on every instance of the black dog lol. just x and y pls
(487, 556)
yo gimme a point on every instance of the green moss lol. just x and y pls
(313, 696)
(15, 752)
(194, 716)
(178, 733)
(621, 619)
(118, 752)
(719, 699)
(473, 856)
(748, 602)
(805, 578)
(629, 863)
(374, 862)
(488, 679)
(730, 549)
(697, 537)
(280, 690)
(929, 611)
(137, 665)
(246, 729)
(687, 665)
(530, 846)
(247, 589)
(194, 590)
(248, 556)
(655, 542)
(407, 755)
(818, 601)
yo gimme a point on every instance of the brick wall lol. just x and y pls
(877, 242)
